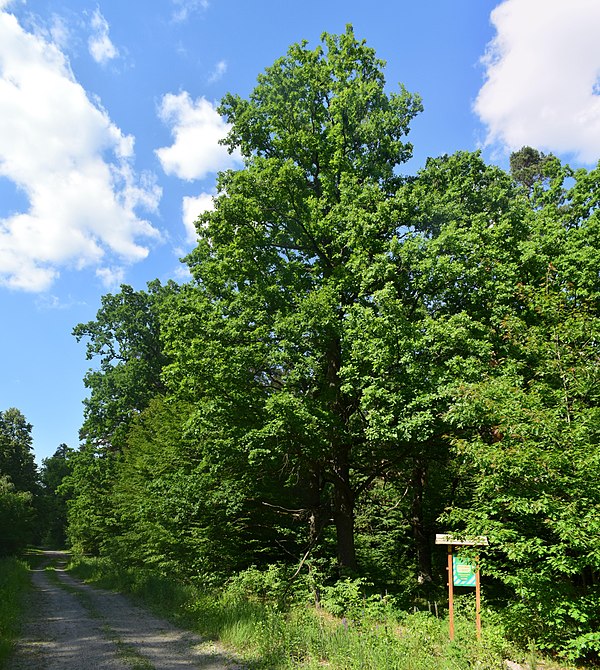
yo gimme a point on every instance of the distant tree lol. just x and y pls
(56, 467)
(53, 505)
(87, 489)
(16, 455)
(125, 338)
(527, 166)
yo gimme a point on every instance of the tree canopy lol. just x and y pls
(361, 359)
(18, 482)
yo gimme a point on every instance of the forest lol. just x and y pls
(360, 359)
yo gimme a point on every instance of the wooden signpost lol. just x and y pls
(462, 573)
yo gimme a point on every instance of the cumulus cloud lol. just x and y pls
(542, 74)
(71, 162)
(100, 46)
(192, 208)
(111, 277)
(195, 153)
(196, 128)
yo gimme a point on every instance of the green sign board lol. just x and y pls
(463, 572)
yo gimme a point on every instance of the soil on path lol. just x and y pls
(72, 626)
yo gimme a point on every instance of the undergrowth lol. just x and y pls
(271, 628)
(14, 582)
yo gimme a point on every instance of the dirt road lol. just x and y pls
(72, 626)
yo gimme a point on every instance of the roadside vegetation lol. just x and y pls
(14, 583)
(271, 625)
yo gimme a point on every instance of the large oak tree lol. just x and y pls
(283, 260)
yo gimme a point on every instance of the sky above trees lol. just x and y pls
(109, 137)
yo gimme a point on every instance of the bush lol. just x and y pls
(351, 598)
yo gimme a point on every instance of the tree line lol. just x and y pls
(360, 359)
(32, 509)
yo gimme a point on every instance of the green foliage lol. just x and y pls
(173, 513)
(326, 111)
(259, 342)
(90, 513)
(533, 466)
(17, 518)
(16, 457)
(125, 336)
(527, 166)
(248, 616)
(273, 584)
(351, 598)
(53, 500)
(14, 583)
(360, 361)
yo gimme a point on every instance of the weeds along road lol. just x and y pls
(72, 626)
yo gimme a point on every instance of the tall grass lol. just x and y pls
(271, 635)
(14, 582)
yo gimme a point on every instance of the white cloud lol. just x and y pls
(218, 72)
(70, 161)
(55, 29)
(111, 277)
(196, 128)
(47, 301)
(184, 8)
(192, 208)
(542, 70)
(59, 32)
(101, 48)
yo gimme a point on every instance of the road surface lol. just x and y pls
(72, 626)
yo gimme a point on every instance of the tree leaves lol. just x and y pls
(362, 359)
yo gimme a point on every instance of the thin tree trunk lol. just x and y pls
(316, 523)
(420, 535)
(313, 507)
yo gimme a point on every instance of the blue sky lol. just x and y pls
(108, 137)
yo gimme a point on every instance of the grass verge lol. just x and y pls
(268, 636)
(14, 583)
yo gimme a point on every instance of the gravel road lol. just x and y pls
(72, 626)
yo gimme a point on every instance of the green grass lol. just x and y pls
(14, 583)
(270, 636)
